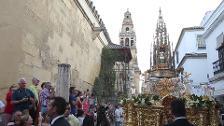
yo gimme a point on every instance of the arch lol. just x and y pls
(132, 42)
(126, 41)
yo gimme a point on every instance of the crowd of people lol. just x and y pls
(28, 105)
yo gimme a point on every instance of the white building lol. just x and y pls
(213, 37)
(190, 54)
(200, 51)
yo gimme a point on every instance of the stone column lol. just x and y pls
(64, 81)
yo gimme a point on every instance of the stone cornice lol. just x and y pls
(94, 11)
(191, 55)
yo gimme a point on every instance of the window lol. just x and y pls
(221, 53)
(127, 28)
(126, 41)
(132, 42)
(218, 66)
(219, 40)
(200, 42)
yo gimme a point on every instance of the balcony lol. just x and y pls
(218, 66)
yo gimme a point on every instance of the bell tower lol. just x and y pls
(127, 34)
(127, 38)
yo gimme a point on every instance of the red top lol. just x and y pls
(9, 106)
(79, 104)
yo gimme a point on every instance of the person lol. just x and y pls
(16, 119)
(34, 89)
(2, 107)
(9, 106)
(55, 110)
(101, 117)
(78, 100)
(42, 85)
(26, 120)
(23, 98)
(45, 95)
(118, 115)
(122, 113)
(92, 100)
(88, 120)
(72, 120)
(179, 112)
(85, 105)
(72, 100)
(80, 116)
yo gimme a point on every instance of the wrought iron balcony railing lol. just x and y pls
(218, 66)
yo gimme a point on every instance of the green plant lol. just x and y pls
(142, 99)
(104, 83)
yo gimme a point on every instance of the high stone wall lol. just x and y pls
(37, 35)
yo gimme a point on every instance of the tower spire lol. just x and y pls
(161, 47)
(160, 12)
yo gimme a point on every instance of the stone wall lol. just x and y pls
(37, 35)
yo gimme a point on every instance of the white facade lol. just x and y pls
(187, 43)
(213, 37)
(197, 67)
(205, 65)
(190, 54)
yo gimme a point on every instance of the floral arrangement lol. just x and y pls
(194, 101)
(142, 99)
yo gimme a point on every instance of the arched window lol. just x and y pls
(132, 42)
(126, 41)
(127, 28)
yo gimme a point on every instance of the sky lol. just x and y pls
(177, 14)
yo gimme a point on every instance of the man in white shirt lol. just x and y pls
(122, 114)
(2, 107)
(118, 115)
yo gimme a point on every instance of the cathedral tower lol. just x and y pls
(128, 39)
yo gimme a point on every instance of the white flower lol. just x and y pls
(143, 101)
(152, 101)
(197, 101)
(122, 101)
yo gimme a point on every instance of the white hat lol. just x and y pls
(22, 81)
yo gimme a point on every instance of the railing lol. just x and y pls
(218, 66)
